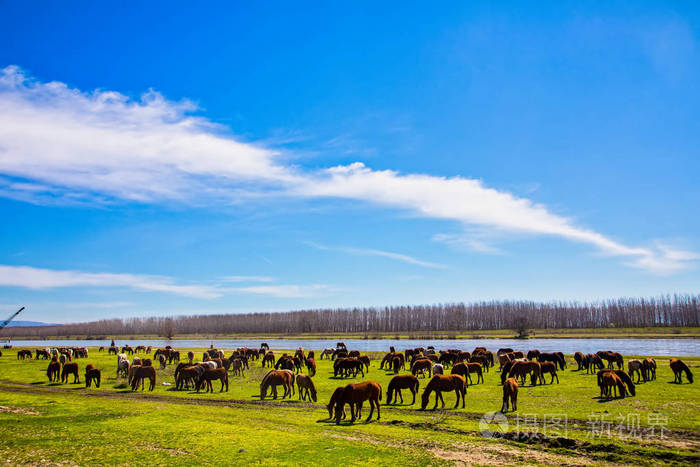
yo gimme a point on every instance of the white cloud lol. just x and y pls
(384, 254)
(61, 145)
(37, 278)
(284, 291)
(247, 279)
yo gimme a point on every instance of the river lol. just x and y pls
(651, 347)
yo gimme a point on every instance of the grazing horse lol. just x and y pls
(611, 358)
(466, 369)
(550, 357)
(24, 354)
(93, 374)
(396, 364)
(592, 362)
(441, 383)
(70, 369)
(53, 371)
(551, 368)
(140, 374)
(624, 377)
(649, 367)
(365, 361)
(510, 391)
(311, 366)
(355, 394)
(419, 366)
(327, 353)
(481, 359)
(211, 375)
(188, 375)
(276, 378)
(438, 369)
(306, 387)
(43, 353)
(398, 383)
(190, 356)
(679, 367)
(578, 358)
(162, 360)
(522, 369)
(532, 354)
(268, 358)
(610, 383)
(237, 367)
(333, 403)
(635, 366)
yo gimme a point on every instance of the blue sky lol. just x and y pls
(170, 159)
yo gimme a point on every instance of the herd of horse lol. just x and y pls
(515, 368)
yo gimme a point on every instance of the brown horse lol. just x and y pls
(333, 403)
(237, 367)
(274, 378)
(24, 354)
(269, 358)
(93, 374)
(610, 383)
(442, 383)
(306, 387)
(53, 371)
(365, 361)
(679, 367)
(190, 356)
(212, 375)
(70, 369)
(592, 362)
(611, 358)
(311, 366)
(398, 383)
(578, 358)
(551, 368)
(466, 370)
(162, 360)
(510, 391)
(141, 373)
(355, 394)
(649, 367)
(522, 369)
(419, 366)
(624, 377)
(634, 366)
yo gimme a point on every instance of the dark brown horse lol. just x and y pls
(551, 368)
(311, 365)
(70, 369)
(212, 375)
(679, 367)
(53, 371)
(420, 366)
(398, 383)
(613, 358)
(442, 383)
(649, 368)
(610, 383)
(140, 374)
(510, 391)
(93, 375)
(521, 369)
(355, 394)
(333, 403)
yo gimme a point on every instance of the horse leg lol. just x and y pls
(413, 392)
(371, 409)
(442, 400)
(400, 395)
(457, 394)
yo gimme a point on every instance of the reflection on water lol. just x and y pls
(660, 347)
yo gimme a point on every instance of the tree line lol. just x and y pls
(676, 311)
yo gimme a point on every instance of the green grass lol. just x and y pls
(46, 423)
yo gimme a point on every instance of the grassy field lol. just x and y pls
(49, 423)
(583, 333)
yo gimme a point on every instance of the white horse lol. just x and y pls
(437, 369)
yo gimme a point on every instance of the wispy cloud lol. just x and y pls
(384, 254)
(284, 291)
(248, 279)
(37, 278)
(61, 145)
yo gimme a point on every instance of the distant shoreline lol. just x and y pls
(607, 333)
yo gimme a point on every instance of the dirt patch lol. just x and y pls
(170, 451)
(17, 410)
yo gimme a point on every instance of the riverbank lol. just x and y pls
(583, 333)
